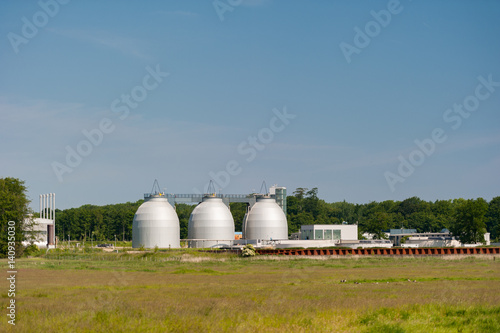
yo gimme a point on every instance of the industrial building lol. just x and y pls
(211, 224)
(412, 238)
(156, 224)
(43, 227)
(265, 220)
(264, 225)
(329, 231)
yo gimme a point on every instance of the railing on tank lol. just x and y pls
(214, 195)
(200, 243)
(149, 195)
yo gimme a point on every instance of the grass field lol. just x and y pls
(187, 292)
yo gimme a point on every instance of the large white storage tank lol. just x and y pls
(265, 220)
(211, 224)
(156, 224)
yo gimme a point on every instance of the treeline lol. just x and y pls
(304, 207)
(104, 222)
(464, 218)
(97, 222)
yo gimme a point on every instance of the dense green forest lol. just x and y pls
(466, 218)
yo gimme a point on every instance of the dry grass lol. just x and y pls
(238, 295)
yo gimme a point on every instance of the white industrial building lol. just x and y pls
(341, 235)
(211, 224)
(155, 223)
(421, 240)
(339, 232)
(412, 238)
(265, 220)
(43, 228)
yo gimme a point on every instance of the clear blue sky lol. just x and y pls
(354, 120)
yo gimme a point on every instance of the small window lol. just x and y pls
(336, 234)
(328, 234)
(318, 234)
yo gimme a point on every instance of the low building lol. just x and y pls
(329, 232)
(431, 239)
(396, 235)
(366, 243)
(42, 231)
(436, 241)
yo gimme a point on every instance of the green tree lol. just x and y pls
(377, 223)
(411, 205)
(343, 211)
(493, 218)
(295, 221)
(443, 210)
(238, 210)
(184, 212)
(469, 221)
(293, 205)
(13, 207)
(312, 203)
(300, 192)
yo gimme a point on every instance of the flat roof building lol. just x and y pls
(329, 232)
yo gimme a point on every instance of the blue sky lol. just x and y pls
(351, 119)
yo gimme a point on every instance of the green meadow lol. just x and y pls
(191, 291)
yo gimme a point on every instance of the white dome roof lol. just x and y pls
(211, 220)
(156, 224)
(265, 220)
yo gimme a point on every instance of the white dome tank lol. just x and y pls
(265, 220)
(156, 224)
(211, 220)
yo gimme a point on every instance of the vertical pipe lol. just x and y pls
(50, 206)
(54, 221)
(40, 206)
(43, 206)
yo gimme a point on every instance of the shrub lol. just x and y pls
(248, 251)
